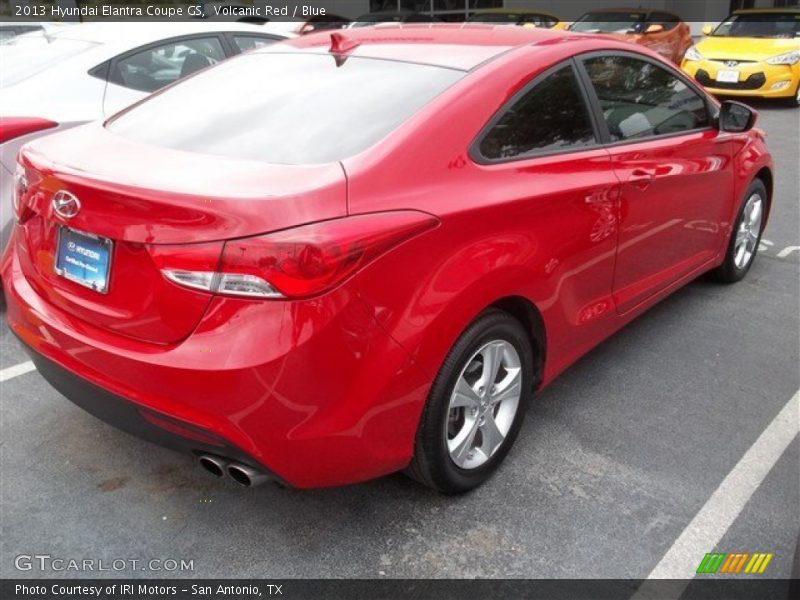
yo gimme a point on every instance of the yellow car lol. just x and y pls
(751, 53)
(525, 17)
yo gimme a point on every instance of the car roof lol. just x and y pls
(461, 46)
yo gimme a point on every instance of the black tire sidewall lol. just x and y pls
(794, 101)
(495, 325)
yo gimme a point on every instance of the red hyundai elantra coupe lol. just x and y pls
(362, 252)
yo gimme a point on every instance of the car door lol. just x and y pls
(137, 73)
(674, 167)
(543, 151)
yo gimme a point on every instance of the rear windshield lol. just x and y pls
(285, 108)
(767, 25)
(609, 22)
(26, 55)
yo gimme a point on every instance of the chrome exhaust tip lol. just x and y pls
(213, 464)
(246, 476)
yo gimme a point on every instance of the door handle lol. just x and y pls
(642, 178)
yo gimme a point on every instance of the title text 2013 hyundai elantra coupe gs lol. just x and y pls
(362, 252)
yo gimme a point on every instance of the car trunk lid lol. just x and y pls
(144, 204)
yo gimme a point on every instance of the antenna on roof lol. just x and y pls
(341, 44)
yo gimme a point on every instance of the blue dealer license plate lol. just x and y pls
(84, 258)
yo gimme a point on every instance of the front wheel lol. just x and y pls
(746, 235)
(476, 405)
(794, 101)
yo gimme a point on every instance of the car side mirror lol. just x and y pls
(735, 117)
(707, 29)
(654, 28)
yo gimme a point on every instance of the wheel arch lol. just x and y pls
(491, 292)
(765, 175)
(526, 312)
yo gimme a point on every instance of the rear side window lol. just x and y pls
(551, 116)
(640, 99)
(155, 67)
(248, 42)
(287, 108)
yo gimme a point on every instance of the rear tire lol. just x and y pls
(492, 365)
(745, 235)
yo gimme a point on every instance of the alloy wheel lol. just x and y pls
(748, 232)
(483, 404)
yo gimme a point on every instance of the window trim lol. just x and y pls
(474, 151)
(101, 71)
(606, 142)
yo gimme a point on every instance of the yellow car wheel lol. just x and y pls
(795, 101)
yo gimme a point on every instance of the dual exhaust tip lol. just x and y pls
(241, 474)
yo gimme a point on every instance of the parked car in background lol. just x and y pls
(10, 30)
(85, 72)
(402, 16)
(320, 279)
(311, 25)
(657, 30)
(751, 53)
(522, 16)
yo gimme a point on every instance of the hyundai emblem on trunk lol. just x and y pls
(66, 205)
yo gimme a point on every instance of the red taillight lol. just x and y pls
(304, 261)
(14, 127)
(194, 266)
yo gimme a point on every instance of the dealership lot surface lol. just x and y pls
(613, 462)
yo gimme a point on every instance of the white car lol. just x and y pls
(88, 72)
(12, 28)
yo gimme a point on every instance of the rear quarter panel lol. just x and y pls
(508, 230)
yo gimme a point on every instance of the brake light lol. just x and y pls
(14, 127)
(304, 261)
(193, 266)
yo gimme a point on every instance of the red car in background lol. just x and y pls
(657, 30)
(372, 263)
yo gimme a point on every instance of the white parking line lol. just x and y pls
(705, 531)
(16, 371)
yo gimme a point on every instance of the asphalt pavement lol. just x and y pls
(614, 460)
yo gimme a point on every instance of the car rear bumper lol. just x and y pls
(315, 393)
(134, 419)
